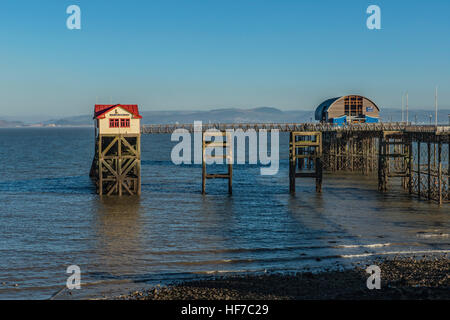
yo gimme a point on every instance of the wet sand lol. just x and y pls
(401, 278)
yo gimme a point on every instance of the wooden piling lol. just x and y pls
(439, 173)
(305, 146)
(429, 171)
(292, 161)
(419, 176)
(228, 157)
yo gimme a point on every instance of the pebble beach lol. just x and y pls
(417, 278)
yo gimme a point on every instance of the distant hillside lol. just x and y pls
(10, 124)
(229, 115)
(84, 120)
(261, 114)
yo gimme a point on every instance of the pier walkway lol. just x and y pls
(299, 127)
(417, 156)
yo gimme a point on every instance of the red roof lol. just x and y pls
(101, 109)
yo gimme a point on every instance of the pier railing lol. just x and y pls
(299, 127)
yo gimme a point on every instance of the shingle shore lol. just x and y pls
(401, 278)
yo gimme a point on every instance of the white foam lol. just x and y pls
(350, 256)
(433, 235)
(375, 245)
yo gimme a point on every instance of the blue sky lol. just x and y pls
(173, 55)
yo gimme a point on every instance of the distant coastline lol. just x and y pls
(43, 126)
(228, 115)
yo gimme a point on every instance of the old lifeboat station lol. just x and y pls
(117, 160)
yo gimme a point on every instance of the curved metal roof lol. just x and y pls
(324, 106)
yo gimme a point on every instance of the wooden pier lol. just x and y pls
(299, 127)
(416, 156)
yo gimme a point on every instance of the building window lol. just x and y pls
(125, 123)
(353, 106)
(113, 123)
(119, 123)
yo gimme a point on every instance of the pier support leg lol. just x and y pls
(226, 145)
(410, 165)
(439, 173)
(292, 158)
(382, 174)
(116, 168)
(319, 175)
(419, 174)
(429, 170)
(307, 147)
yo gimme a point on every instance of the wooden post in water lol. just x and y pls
(292, 160)
(227, 156)
(318, 168)
(439, 173)
(203, 166)
(419, 177)
(394, 145)
(429, 170)
(138, 164)
(382, 163)
(309, 148)
(335, 154)
(409, 165)
(100, 166)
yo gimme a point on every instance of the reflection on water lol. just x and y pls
(118, 235)
(51, 218)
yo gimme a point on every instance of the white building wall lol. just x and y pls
(119, 113)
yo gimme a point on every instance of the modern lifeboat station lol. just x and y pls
(347, 110)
